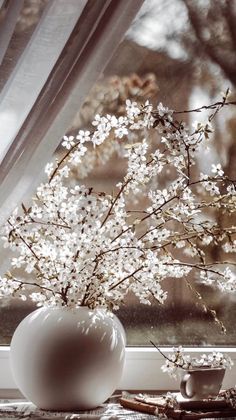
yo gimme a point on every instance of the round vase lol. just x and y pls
(64, 359)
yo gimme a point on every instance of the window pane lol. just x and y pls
(180, 53)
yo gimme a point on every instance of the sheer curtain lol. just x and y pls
(64, 55)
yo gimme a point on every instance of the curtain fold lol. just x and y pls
(37, 60)
(7, 27)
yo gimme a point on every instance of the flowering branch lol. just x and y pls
(91, 248)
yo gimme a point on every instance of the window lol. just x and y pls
(168, 55)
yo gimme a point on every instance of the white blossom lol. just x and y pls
(217, 169)
(231, 189)
(68, 142)
(83, 136)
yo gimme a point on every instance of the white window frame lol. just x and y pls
(142, 369)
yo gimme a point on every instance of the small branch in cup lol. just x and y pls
(183, 361)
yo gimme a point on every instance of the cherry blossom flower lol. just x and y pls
(217, 169)
(83, 136)
(68, 142)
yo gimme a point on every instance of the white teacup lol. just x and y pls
(202, 382)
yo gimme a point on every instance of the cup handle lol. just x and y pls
(183, 386)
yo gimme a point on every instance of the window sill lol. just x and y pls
(142, 369)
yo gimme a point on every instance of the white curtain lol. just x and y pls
(69, 48)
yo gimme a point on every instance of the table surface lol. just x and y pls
(22, 409)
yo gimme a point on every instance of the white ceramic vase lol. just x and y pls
(65, 359)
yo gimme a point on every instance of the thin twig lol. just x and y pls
(125, 278)
(205, 107)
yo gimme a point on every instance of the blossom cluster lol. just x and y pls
(89, 248)
(178, 360)
(109, 98)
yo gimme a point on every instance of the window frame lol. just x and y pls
(142, 369)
